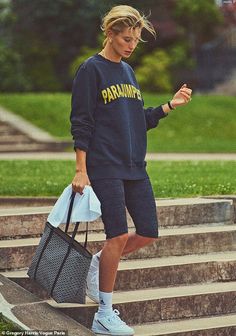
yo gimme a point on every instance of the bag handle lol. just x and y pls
(72, 198)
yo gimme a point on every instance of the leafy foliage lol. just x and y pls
(153, 74)
(7, 326)
(44, 41)
(199, 19)
(85, 53)
(12, 70)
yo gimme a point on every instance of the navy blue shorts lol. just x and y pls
(115, 195)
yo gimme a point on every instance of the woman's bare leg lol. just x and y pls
(135, 242)
(109, 261)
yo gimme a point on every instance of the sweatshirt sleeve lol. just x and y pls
(153, 115)
(83, 104)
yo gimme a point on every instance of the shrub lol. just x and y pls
(12, 71)
(154, 72)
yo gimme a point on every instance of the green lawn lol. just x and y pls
(169, 178)
(7, 326)
(48, 111)
(206, 124)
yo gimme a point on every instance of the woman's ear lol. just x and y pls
(110, 35)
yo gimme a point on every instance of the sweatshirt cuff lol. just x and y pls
(160, 113)
(81, 145)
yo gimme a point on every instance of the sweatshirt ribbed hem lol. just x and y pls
(119, 171)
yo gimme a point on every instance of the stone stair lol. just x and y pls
(18, 135)
(12, 140)
(182, 285)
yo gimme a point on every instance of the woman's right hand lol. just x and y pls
(79, 182)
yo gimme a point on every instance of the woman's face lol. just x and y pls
(125, 42)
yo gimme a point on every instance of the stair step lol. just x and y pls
(157, 272)
(18, 253)
(30, 221)
(21, 211)
(10, 139)
(176, 270)
(23, 221)
(56, 146)
(156, 304)
(30, 313)
(12, 204)
(207, 326)
(18, 147)
(6, 129)
(130, 265)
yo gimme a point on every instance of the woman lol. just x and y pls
(109, 125)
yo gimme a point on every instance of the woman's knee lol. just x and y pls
(118, 241)
(148, 240)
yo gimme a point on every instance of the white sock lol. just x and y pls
(105, 303)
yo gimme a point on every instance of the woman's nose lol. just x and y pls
(132, 45)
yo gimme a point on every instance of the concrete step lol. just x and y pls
(18, 253)
(6, 139)
(158, 304)
(19, 147)
(5, 130)
(30, 221)
(30, 313)
(56, 146)
(156, 272)
(14, 202)
(40, 141)
(223, 325)
(23, 222)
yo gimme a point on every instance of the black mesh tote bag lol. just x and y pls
(60, 264)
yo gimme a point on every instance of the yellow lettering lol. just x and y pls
(139, 95)
(120, 90)
(104, 95)
(124, 90)
(121, 93)
(129, 90)
(134, 91)
(114, 91)
(109, 94)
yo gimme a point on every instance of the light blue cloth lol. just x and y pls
(86, 207)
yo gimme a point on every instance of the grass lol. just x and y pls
(7, 326)
(169, 178)
(207, 124)
(48, 111)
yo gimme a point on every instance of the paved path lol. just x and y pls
(150, 156)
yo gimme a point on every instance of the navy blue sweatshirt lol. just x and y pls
(109, 121)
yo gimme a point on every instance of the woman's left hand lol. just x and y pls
(182, 97)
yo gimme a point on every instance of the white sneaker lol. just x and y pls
(92, 289)
(111, 325)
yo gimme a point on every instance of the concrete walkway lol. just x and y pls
(150, 156)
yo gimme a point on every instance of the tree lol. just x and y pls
(198, 20)
(49, 36)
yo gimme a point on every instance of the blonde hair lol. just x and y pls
(122, 16)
